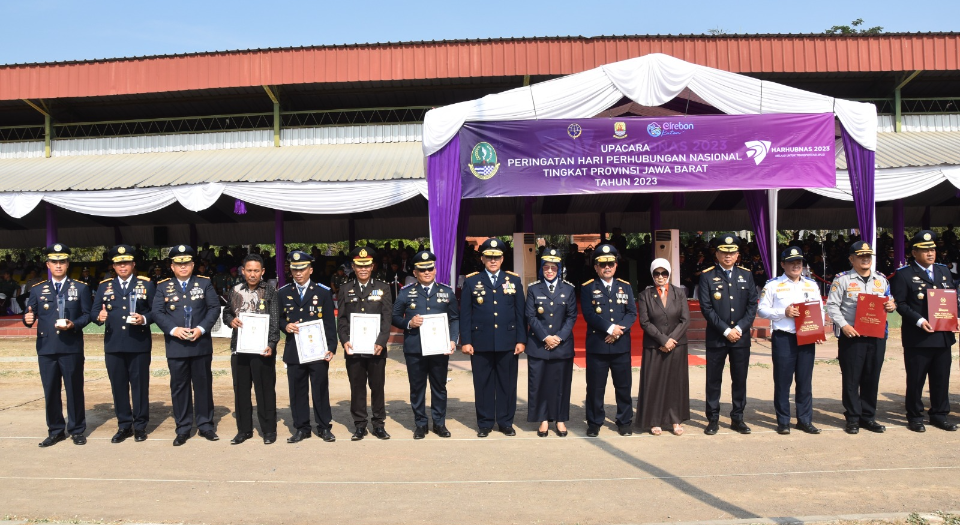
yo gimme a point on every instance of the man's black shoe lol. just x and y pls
(508, 431)
(873, 426)
(419, 432)
(441, 430)
(712, 427)
(52, 440)
(943, 424)
(737, 425)
(326, 435)
(808, 428)
(624, 430)
(180, 439)
(916, 426)
(241, 437)
(483, 432)
(783, 430)
(593, 431)
(139, 435)
(381, 433)
(852, 427)
(79, 439)
(269, 438)
(299, 436)
(121, 435)
(209, 435)
(359, 433)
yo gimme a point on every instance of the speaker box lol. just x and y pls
(525, 257)
(666, 245)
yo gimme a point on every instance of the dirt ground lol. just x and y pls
(465, 480)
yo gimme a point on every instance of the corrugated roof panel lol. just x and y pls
(302, 163)
(899, 150)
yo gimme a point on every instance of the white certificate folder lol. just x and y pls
(253, 335)
(435, 335)
(312, 342)
(364, 329)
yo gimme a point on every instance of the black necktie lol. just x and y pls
(57, 286)
(729, 274)
(300, 289)
(123, 287)
(183, 286)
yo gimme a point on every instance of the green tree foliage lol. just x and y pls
(854, 29)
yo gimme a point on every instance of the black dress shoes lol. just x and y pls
(52, 440)
(783, 430)
(241, 437)
(561, 433)
(808, 428)
(419, 433)
(508, 431)
(624, 430)
(139, 435)
(121, 435)
(593, 431)
(299, 436)
(79, 439)
(209, 435)
(943, 424)
(269, 438)
(441, 430)
(712, 427)
(916, 426)
(381, 433)
(483, 432)
(852, 427)
(359, 433)
(872, 426)
(180, 439)
(326, 435)
(737, 425)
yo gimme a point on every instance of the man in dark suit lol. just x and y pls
(62, 307)
(365, 295)
(185, 308)
(610, 310)
(728, 301)
(304, 301)
(493, 334)
(926, 353)
(426, 297)
(123, 304)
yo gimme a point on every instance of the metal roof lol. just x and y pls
(327, 163)
(900, 150)
(479, 58)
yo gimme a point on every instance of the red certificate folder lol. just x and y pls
(809, 323)
(871, 318)
(942, 310)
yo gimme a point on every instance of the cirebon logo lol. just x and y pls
(654, 129)
(757, 150)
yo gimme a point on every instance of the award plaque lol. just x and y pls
(809, 323)
(871, 318)
(942, 310)
(364, 329)
(435, 335)
(311, 342)
(253, 334)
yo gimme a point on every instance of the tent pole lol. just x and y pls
(528, 214)
(772, 211)
(279, 252)
(603, 227)
(351, 235)
(51, 227)
(898, 227)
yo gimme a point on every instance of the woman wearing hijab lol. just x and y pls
(551, 310)
(664, 397)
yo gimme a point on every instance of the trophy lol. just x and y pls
(188, 318)
(61, 312)
(131, 319)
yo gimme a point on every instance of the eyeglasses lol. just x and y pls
(607, 264)
(661, 274)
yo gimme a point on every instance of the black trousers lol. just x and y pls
(129, 374)
(300, 378)
(792, 362)
(259, 372)
(362, 371)
(618, 367)
(191, 384)
(921, 363)
(739, 363)
(860, 361)
(420, 369)
(495, 387)
(63, 371)
(548, 389)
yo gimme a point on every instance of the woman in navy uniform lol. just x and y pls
(365, 295)
(127, 345)
(926, 353)
(551, 311)
(609, 309)
(189, 348)
(493, 333)
(426, 297)
(60, 348)
(302, 301)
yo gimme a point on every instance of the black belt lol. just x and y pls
(784, 332)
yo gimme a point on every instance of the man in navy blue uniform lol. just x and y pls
(185, 308)
(303, 301)
(123, 304)
(610, 310)
(493, 333)
(926, 353)
(728, 299)
(62, 307)
(426, 297)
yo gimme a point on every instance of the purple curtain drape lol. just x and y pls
(444, 193)
(861, 168)
(898, 226)
(760, 217)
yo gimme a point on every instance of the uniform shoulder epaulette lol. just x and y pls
(288, 285)
(623, 281)
(513, 274)
(743, 268)
(321, 285)
(407, 286)
(588, 282)
(441, 285)
(568, 282)
(939, 264)
(470, 275)
(106, 280)
(809, 278)
(708, 269)
(771, 280)
(201, 276)
(841, 274)
(37, 284)
(163, 280)
(903, 267)
(143, 278)
(533, 283)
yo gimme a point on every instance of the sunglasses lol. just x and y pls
(661, 274)
(607, 264)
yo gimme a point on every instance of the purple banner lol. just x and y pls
(693, 153)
